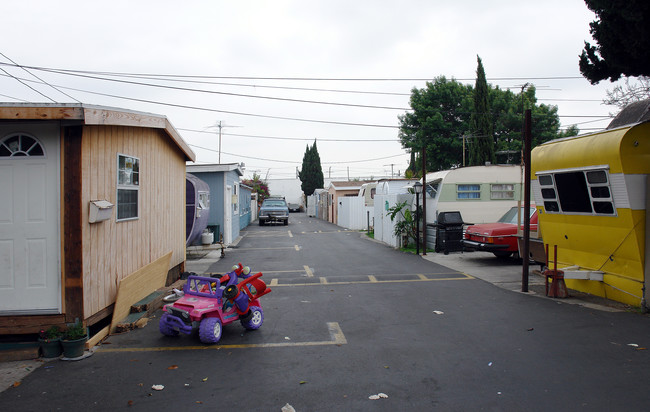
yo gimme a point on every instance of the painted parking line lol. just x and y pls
(336, 338)
(323, 232)
(295, 247)
(275, 282)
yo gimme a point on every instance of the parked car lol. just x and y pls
(294, 207)
(500, 238)
(274, 209)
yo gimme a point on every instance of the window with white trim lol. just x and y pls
(468, 191)
(580, 192)
(128, 187)
(501, 191)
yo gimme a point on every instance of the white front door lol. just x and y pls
(30, 280)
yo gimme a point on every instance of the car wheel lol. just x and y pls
(261, 223)
(165, 329)
(286, 222)
(210, 330)
(255, 319)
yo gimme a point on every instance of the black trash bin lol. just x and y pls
(449, 232)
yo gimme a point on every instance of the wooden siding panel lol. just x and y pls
(114, 250)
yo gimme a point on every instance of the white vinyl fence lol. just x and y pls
(353, 214)
(384, 227)
(312, 203)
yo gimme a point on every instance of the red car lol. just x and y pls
(499, 238)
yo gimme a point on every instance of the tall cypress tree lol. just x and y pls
(311, 174)
(482, 147)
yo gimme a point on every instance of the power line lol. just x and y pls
(293, 162)
(226, 111)
(293, 138)
(378, 79)
(43, 81)
(185, 89)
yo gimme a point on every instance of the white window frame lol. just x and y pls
(506, 189)
(133, 185)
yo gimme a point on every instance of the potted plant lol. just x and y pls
(50, 342)
(74, 340)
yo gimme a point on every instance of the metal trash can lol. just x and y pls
(449, 232)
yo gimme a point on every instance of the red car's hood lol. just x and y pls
(492, 229)
(496, 229)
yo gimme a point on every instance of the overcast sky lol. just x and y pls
(266, 68)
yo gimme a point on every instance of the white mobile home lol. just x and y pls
(482, 194)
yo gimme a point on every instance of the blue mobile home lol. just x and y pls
(226, 206)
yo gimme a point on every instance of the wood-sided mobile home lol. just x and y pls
(89, 196)
(591, 193)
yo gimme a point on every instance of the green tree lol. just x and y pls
(482, 150)
(311, 174)
(259, 186)
(622, 32)
(439, 118)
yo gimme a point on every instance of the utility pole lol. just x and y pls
(220, 141)
(221, 126)
(525, 255)
(463, 150)
(424, 200)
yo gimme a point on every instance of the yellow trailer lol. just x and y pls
(592, 194)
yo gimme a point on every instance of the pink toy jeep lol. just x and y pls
(214, 302)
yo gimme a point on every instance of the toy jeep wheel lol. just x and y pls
(255, 318)
(210, 330)
(164, 327)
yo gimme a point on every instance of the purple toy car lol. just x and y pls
(214, 302)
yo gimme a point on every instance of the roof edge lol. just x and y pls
(94, 115)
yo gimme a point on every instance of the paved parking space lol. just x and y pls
(348, 318)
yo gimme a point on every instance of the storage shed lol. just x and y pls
(341, 189)
(89, 196)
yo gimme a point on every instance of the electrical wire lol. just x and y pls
(309, 139)
(43, 81)
(293, 162)
(225, 111)
(186, 89)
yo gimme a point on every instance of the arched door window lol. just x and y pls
(17, 145)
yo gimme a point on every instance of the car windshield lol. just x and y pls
(274, 203)
(511, 215)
